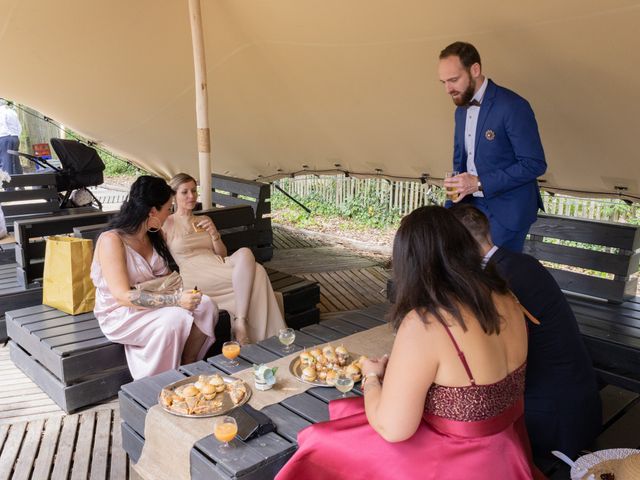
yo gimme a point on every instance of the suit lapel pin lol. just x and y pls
(489, 135)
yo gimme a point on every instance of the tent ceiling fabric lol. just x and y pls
(301, 82)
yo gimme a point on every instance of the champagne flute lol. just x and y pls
(451, 193)
(225, 429)
(231, 350)
(344, 383)
(287, 337)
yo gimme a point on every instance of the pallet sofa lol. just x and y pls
(600, 285)
(231, 192)
(69, 357)
(20, 282)
(33, 195)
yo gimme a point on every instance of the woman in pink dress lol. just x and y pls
(448, 403)
(159, 331)
(235, 282)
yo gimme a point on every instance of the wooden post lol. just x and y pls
(202, 103)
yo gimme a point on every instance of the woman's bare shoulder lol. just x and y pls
(109, 241)
(416, 322)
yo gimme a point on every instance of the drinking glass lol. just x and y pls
(195, 224)
(451, 194)
(344, 383)
(225, 429)
(287, 337)
(230, 350)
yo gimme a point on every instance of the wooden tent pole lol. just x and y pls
(202, 103)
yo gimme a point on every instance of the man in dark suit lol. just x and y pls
(562, 403)
(497, 148)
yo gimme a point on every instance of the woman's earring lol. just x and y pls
(153, 228)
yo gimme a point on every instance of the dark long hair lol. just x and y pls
(437, 269)
(146, 192)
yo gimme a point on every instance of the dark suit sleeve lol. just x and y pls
(522, 131)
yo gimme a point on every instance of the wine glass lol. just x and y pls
(286, 337)
(231, 350)
(344, 383)
(225, 429)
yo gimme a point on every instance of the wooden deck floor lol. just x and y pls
(39, 441)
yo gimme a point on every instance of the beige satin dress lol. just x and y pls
(211, 273)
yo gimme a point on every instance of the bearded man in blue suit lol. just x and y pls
(497, 148)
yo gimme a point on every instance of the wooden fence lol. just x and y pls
(403, 197)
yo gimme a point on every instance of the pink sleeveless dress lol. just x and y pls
(473, 432)
(154, 338)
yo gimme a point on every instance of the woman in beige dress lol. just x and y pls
(236, 283)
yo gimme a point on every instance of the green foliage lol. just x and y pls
(365, 210)
(115, 167)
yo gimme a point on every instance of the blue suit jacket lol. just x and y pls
(508, 156)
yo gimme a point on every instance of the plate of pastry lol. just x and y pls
(322, 366)
(204, 395)
(611, 464)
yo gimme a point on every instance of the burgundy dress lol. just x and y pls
(476, 431)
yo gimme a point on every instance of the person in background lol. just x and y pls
(10, 130)
(159, 331)
(562, 404)
(448, 403)
(497, 147)
(235, 282)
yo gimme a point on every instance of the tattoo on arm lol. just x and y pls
(142, 298)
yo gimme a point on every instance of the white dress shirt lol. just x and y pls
(488, 256)
(9, 123)
(471, 122)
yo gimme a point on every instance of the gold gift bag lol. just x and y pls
(67, 283)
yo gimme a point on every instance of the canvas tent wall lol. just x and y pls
(354, 83)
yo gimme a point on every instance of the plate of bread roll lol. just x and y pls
(204, 395)
(322, 366)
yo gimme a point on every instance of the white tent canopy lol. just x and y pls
(348, 82)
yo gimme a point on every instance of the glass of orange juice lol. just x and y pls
(230, 351)
(225, 430)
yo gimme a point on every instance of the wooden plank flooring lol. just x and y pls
(81, 446)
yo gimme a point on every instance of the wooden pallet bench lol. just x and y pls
(230, 192)
(29, 194)
(14, 296)
(236, 226)
(34, 195)
(600, 287)
(66, 355)
(259, 458)
(30, 241)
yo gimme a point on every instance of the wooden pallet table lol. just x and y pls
(68, 356)
(262, 457)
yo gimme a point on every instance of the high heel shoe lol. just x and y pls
(240, 332)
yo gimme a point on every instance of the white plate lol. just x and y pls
(592, 459)
(295, 367)
(226, 406)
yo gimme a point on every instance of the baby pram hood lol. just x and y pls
(81, 165)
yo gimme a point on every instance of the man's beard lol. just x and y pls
(467, 95)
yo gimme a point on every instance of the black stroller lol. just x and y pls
(82, 167)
